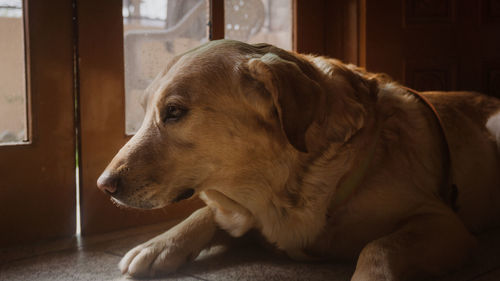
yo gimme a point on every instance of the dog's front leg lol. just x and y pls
(167, 251)
(427, 244)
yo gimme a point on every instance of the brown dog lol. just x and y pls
(324, 159)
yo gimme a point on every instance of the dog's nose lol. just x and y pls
(108, 182)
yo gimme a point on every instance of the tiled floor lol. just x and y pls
(96, 258)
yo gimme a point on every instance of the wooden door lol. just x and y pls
(433, 45)
(37, 176)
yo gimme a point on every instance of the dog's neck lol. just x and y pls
(307, 194)
(288, 216)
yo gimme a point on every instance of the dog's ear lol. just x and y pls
(296, 96)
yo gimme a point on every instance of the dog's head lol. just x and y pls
(223, 115)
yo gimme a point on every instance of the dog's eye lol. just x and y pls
(173, 113)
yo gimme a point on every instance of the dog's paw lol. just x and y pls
(155, 257)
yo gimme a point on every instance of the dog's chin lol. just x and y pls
(144, 205)
(150, 204)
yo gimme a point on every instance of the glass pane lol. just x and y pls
(259, 21)
(154, 32)
(12, 73)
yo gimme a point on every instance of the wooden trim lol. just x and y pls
(341, 39)
(327, 27)
(309, 26)
(362, 33)
(294, 25)
(216, 25)
(27, 64)
(352, 32)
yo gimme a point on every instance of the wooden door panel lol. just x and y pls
(490, 11)
(431, 74)
(433, 45)
(491, 77)
(428, 12)
(37, 186)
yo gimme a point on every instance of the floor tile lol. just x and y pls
(65, 265)
(116, 242)
(254, 263)
(122, 245)
(77, 264)
(120, 242)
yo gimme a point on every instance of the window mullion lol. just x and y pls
(216, 20)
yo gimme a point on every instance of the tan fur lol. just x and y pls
(268, 137)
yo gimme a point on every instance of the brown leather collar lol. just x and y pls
(449, 190)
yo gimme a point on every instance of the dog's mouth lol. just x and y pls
(185, 194)
(134, 204)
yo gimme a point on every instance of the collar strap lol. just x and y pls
(448, 191)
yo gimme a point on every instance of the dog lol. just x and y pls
(324, 159)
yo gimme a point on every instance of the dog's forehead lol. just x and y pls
(204, 70)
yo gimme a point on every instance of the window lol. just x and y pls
(155, 31)
(12, 73)
(256, 21)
